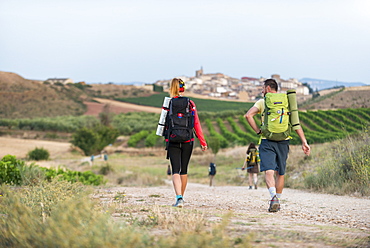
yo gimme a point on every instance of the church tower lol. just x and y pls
(199, 73)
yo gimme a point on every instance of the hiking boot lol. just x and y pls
(250, 187)
(179, 203)
(255, 186)
(274, 204)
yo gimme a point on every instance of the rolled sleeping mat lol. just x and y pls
(162, 118)
(166, 102)
(292, 98)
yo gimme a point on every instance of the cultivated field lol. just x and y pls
(94, 108)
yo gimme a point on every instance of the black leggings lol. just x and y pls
(180, 154)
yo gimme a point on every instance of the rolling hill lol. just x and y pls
(23, 98)
(351, 97)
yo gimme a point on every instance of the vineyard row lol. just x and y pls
(229, 127)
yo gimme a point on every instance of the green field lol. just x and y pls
(207, 105)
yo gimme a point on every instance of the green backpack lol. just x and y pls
(253, 157)
(276, 125)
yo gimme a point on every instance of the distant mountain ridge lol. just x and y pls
(320, 84)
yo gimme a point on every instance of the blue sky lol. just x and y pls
(145, 41)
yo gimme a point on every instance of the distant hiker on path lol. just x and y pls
(181, 120)
(211, 173)
(251, 161)
(279, 115)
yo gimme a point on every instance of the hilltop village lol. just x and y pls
(219, 85)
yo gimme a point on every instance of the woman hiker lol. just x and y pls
(179, 153)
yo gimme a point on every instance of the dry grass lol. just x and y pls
(75, 220)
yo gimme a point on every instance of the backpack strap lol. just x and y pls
(167, 136)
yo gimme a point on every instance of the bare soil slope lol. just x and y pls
(23, 98)
(95, 108)
(352, 97)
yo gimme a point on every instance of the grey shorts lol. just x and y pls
(273, 155)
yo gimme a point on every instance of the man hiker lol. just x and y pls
(273, 154)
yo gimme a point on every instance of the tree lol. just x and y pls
(214, 144)
(157, 88)
(106, 116)
(86, 139)
(93, 141)
(107, 135)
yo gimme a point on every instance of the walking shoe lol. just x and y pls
(250, 187)
(274, 204)
(179, 203)
(255, 186)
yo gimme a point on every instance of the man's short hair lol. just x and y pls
(272, 83)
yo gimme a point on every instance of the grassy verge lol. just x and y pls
(345, 169)
(72, 215)
(340, 167)
(77, 220)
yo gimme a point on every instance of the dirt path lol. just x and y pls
(94, 108)
(305, 220)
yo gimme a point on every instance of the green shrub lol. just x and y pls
(10, 170)
(152, 139)
(86, 178)
(15, 172)
(136, 138)
(38, 154)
